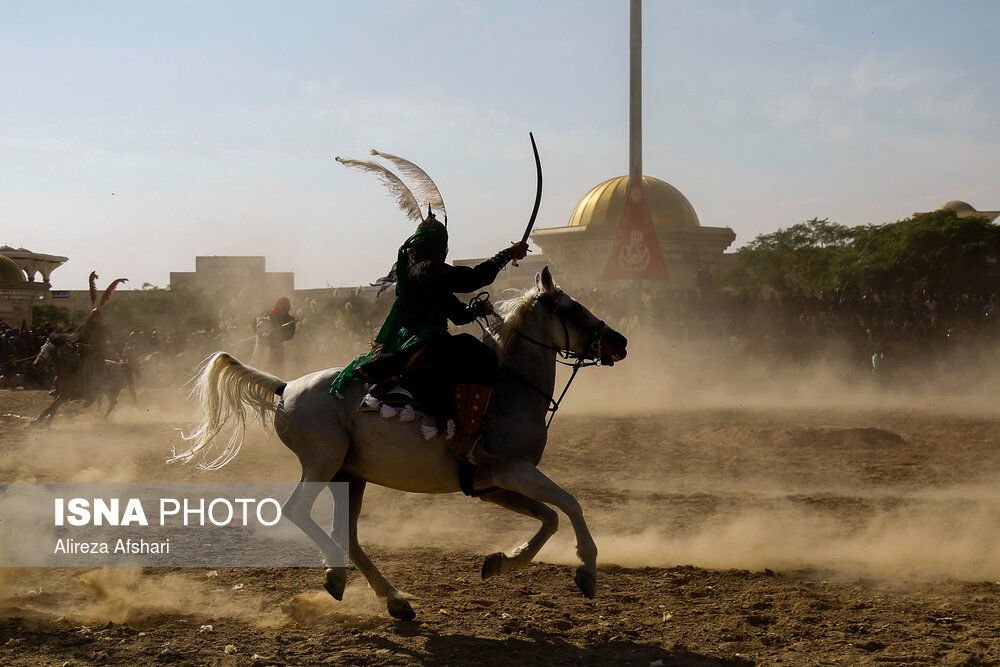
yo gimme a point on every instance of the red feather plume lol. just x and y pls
(111, 290)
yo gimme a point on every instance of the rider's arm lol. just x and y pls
(465, 279)
(458, 312)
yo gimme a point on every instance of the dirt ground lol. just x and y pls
(734, 533)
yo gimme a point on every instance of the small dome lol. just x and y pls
(957, 206)
(605, 203)
(10, 272)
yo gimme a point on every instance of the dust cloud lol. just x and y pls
(684, 453)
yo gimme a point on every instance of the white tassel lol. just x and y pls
(408, 414)
(428, 431)
(425, 188)
(387, 411)
(404, 198)
(450, 429)
(370, 401)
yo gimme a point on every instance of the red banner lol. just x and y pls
(636, 250)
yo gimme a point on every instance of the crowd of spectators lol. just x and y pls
(922, 332)
(929, 332)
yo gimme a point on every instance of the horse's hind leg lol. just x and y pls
(522, 555)
(49, 412)
(395, 599)
(298, 508)
(526, 479)
(112, 402)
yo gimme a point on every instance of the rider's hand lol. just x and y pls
(519, 250)
(483, 307)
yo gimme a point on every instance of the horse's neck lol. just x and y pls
(526, 380)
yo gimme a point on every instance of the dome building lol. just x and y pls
(634, 227)
(581, 249)
(17, 294)
(965, 210)
(34, 264)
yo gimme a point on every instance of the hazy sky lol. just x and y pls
(137, 135)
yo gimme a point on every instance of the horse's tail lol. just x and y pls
(227, 389)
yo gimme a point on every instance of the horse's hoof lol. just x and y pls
(336, 581)
(401, 609)
(586, 581)
(493, 564)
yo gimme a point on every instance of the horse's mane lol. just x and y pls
(512, 311)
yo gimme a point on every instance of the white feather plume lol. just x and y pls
(404, 198)
(424, 188)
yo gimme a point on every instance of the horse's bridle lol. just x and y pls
(595, 346)
(576, 360)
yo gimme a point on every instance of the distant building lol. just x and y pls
(579, 251)
(233, 277)
(17, 294)
(964, 210)
(34, 264)
(19, 289)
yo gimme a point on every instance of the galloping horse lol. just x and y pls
(70, 382)
(336, 443)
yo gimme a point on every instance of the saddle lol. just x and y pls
(390, 384)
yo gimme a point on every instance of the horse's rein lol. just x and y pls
(579, 360)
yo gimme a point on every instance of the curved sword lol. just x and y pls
(538, 192)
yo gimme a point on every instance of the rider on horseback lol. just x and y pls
(450, 375)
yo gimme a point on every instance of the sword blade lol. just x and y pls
(538, 189)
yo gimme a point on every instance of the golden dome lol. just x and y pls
(604, 204)
(10, 272)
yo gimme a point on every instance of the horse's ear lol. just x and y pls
(545, 280)
(538, 282)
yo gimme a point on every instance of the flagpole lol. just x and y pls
(635, 124)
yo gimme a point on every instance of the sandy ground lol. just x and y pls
(731, 532)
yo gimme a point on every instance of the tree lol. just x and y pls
(164, 309)
(933, 251)
(55, 315)
(788, 260)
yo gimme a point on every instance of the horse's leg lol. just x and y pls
(130, 383)
(500, 562)
(336, 577)
(298, 508)
(521, 476)
(396, 601)
(112, 401)
(50, 411)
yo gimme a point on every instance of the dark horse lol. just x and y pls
(108, 377)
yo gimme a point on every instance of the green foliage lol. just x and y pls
(55, 315)
(797, 258)
(935, 251)
(160, 308)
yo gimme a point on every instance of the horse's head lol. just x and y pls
(45, 354)
(59, 348)
(558, 321)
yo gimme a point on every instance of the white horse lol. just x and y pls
(336, 443)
